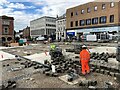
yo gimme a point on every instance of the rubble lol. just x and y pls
(9, 84)
(16, 68)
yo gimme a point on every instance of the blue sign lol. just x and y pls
(71, 33)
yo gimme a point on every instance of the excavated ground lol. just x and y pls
(33, 78)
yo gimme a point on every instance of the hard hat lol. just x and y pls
(84, 46)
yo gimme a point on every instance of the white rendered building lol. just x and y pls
(61, 27)
(42, 26)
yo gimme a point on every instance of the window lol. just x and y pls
(50, 25)
(95, 20)
(71, 14)
(88, 21)
(111, 18)
(88, 10)
(76, 23)
(76, 13)
(5, 22)
(82, 11)
(9, 38)
(112, 4)
(71, 24)
(95, 8)
(5, 30)
(103, 19)
(103, 6)
(82, 22)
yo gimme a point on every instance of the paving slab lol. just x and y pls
(76, 81)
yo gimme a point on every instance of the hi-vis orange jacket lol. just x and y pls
(84, 55)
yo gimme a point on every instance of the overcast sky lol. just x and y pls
(24, 11)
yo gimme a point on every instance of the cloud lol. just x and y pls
(40, 8)
(39, 3)
(16, 5)
(2, 2)
(53, 7)
(19, 6)
(22, 19)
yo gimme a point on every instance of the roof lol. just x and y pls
(43, 17)
(94, 2)
(61, 17)
(6, 17)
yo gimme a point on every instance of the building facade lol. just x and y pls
(42, 26)
(26, 32)
(93, 17)
(6, 29)
(61, 27)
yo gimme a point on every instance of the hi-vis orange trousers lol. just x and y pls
(85, 66)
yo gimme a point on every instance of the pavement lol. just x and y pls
(39, 57)
(4, 56)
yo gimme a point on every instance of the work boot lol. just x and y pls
(88, 72)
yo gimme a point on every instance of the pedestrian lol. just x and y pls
(84, 59)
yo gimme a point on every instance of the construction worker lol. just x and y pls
(84, 59)
(52, 46)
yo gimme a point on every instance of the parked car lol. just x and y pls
(40, 38)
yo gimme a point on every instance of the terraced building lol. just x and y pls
(94, 17)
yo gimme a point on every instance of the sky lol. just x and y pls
(24, 11)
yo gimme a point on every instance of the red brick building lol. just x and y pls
(6, 29)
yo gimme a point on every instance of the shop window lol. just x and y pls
(111, 18)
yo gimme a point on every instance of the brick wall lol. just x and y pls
(106, 12)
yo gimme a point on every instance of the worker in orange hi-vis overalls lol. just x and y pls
(84, 59)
